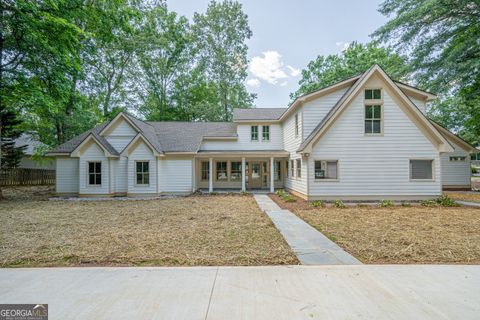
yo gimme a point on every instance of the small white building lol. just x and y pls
(27, 160)
(364, 138)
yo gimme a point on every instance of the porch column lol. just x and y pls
(210, 175)
(243, 175)
(272, 175)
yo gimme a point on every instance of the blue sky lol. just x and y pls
(289, 34)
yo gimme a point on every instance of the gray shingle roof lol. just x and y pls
(168, 136)
(258, 114)
(72, 144)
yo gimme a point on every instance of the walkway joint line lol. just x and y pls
(211, 293)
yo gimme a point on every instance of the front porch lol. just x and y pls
(239, 171)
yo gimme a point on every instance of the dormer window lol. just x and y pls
(254, 133)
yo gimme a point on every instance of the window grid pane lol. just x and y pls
(266, 133)
(205, 170)
(222, 170)
(95, 173)
(236, 170)
(254, 133)
(299, 168)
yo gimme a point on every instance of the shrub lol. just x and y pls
(474, 170)
(406, 204)
(317, 203)
(289, 198)
(429, 203)
(446, 201)
(339, 204)
(386, 203)
(280, 192)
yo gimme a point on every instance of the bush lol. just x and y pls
(446, 201)
(474, 170)
(289, 198)
(429, 203)
(280, 192)
(339, 204)
(406, 204)
(318, 203)
(386, 203)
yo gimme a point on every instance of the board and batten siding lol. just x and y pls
(175, 175)
(373, 166)
(93, 153)
(244, 141)
(66, 175)
(291, 144)
(142, 152)
(455, 173)
(120, 135)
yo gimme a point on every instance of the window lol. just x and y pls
(421, 169)
(266, 133)
(254, 133)
(292, 169)
(222, 170)
(142, 170)
(277, 170)
(296, 125)
(458, 158)
(236, 170)
(326, 169)
(299, 168)
(373, 119)
(94, 173)
(205, 170)
(373, 94)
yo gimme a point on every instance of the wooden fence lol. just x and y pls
(26, 177)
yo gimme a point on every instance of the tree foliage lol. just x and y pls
(356, 59)
(441, 38)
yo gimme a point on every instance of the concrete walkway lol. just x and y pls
(277, 292)
(309, 245)
(469, 204)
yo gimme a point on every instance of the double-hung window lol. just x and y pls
(254, 133)
(265, 133)
(222, 170)
(299, 168)
(277, 171)
(205, 170)
(95, 173)
(373, 111)
(235, 170)
(296, 125)
(421, 169)
(292, 168)
(326, 169)
(142, 172)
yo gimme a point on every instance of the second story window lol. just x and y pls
(266, 133)
(254, 133)
(296, 125)
(373, 94)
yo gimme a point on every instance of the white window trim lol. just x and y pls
(258, 138)
(88, 175)
(135, 174)
(422, 180)
(374, 102)
(326, 179)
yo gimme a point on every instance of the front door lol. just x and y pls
(255, 179)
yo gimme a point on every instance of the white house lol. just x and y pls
(366, 137)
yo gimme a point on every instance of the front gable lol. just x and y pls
(139, 145)
(91, 146)
(372, 79)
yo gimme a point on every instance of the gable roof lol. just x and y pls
(70, 145)
(331, 116)
(257, 114)
(454, 138)
(109, 151)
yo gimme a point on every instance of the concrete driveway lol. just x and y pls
(277, 292)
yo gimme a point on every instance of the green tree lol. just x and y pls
(220, 36)
(356, 59)
(441, 38)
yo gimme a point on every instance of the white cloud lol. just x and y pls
(342, 45)
(283, 84)
(254, 83)
(269, 67)
(293, 71)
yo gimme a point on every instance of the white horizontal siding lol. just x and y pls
(374, 165)
(455, 173)
(175, 175)
(244, 140)
(121, 175)
(419, 103)
(120, 135)
(314, 111)
(142, 153)
(66, 175)
(93, 152)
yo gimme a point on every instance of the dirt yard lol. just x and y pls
(414, 234)
(196, 230)
(465, 196)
